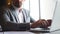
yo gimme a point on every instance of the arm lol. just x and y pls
(8, 25)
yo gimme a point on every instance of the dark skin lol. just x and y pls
(41, 23)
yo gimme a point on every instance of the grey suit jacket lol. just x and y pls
(9, 22)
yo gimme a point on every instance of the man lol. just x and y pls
(13, 17)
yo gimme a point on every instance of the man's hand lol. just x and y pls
(49, 21)
(41, 23)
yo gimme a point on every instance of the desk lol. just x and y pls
(1, 32)
(19, 32)
(16, 32)
(26, 32)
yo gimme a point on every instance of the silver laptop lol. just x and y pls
(55, 25)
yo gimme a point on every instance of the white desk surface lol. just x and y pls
(26, 32)
(16, 32)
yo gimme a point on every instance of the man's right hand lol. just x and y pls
(41, 23)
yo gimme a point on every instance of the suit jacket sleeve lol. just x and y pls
(8, 25)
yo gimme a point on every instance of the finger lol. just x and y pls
(45, 23)
(50, 21)
(41, 22)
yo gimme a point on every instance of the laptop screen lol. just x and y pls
(56, 18)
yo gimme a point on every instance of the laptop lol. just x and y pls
(55, 25)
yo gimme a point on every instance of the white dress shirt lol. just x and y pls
(20, 16)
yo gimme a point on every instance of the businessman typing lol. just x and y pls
(15, 18)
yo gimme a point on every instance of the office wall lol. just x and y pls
(47, 8)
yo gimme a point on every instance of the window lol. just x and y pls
(47, 8)
(33, 7)
(40, 9)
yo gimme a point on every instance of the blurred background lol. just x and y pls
(40, 9)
